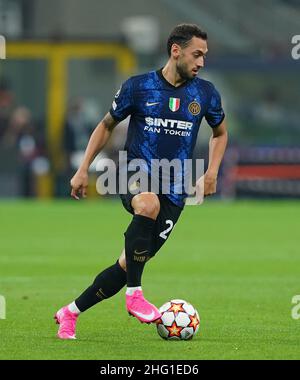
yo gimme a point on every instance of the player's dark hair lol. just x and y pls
(182, 34)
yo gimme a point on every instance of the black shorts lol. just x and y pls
(165, 222)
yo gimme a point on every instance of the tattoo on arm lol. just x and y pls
(109, 122)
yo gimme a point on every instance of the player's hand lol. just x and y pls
(79, 184)
(205, 186)
(210, 184)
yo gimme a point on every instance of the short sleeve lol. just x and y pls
(122, 104)
(215, 114)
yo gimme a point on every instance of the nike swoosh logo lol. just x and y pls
(140, 253)
(148, 317)
(151, 104)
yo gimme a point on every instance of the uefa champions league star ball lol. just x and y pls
(179, 320)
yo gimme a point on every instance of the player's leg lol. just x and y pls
(138, 240)
(106, 284)
(165, 223)
(146, 208)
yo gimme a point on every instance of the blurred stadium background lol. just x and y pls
(66, 59)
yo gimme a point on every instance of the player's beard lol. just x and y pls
(182, 70)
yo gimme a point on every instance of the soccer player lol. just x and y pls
(166, 109)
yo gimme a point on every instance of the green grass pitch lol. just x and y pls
(237, 263)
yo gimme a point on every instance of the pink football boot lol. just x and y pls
(138, 307)
(67, 321)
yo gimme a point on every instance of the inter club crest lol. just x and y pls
(194, 108)
(174, 104)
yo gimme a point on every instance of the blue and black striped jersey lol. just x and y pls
(165, 119)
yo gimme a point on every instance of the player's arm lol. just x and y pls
(98, 139)
(217, 146)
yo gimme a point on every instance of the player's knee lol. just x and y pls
(122, 263)
(122, 260)
(146, 204)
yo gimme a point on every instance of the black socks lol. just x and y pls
(137, 248)
(109, 282)
(106, 284)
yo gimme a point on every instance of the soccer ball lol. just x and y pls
(179, 320)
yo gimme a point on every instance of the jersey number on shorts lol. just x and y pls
(164, 233)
